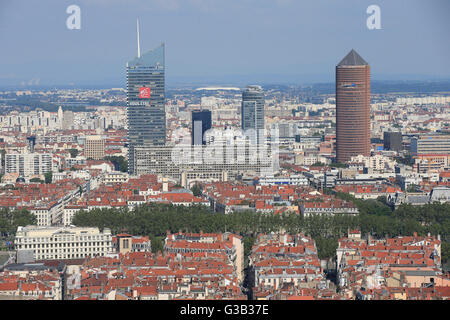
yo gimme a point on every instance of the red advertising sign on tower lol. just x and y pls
(144, 93)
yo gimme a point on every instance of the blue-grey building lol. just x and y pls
(201, 122)
(146, 101)
(252, 111)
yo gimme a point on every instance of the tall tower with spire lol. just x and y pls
(138, 39)
(146, 115)
(60, 117)
(352, 107)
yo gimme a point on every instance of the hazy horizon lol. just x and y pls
(220, 42)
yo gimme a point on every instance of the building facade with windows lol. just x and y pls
(146, 115)
(201, 122)
(94, 147)
(252, 111)
(392, 141)
(430, 144)
(54, 243)
(352, 107)
(28, 164)
(431, 153)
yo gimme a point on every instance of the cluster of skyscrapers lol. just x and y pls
(147, 120)
(146, 110)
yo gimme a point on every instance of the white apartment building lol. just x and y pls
(376, 162)
(78, 174)
(46, 213)
(28, 164)
(326, 209)
(215, 161)
(30, 120)
(430, 144)
(70, 211)
(79, 160)
(53, 243)
(115, 177)
(298, 180)
(308, 160)
(423, 100)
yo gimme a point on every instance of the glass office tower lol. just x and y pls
(201, 122)
(392, 141)
(146, 113)
(252, 111)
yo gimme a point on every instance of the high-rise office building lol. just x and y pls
(146, 113)
(433, 144)
(252, 111)
(352, 107)
(392, 141)
(201, 122)
(94, 147)
(431, 152)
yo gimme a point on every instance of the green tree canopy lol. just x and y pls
(11, 219)
(196, 190)
(73, 153)
(48, 177)
(375, 218)
(118, 161)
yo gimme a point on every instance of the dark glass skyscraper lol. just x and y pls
(201, 122)
(146, 101)
(352, 107)
(252, 111)
(392, 141)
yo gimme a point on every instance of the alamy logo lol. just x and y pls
(74, 20)
(227, 147)
(374, 20)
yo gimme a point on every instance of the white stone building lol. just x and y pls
(53, 243)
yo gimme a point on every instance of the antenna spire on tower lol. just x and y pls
(138, 40)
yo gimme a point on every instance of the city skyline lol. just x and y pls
(280, 32)
(259, 158)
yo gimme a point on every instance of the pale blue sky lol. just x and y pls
(221, 40)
